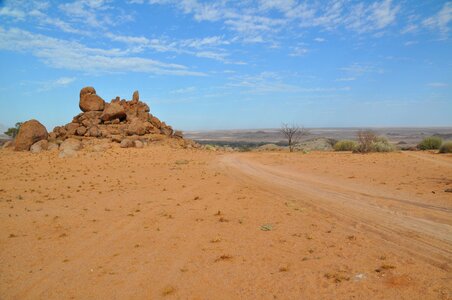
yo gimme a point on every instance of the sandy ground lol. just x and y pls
(188, 224)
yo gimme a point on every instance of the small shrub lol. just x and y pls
(365, 140)
(446, 147)
(430, 143)
(345, 145)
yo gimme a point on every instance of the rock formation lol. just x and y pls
(29, 133)
(116, 120)
(128, 123)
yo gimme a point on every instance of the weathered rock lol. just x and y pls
(136, 96)
(71, 128)
(94, 132)
(88, 90)
(113, 111)
(137, 127)
(156, 122)
(81, 130)
(67, 153)
(89, 101)
(39, 146)
(126, 143)
(116, 138)
(52, 146)
(71, 144)
(52, 137)
(178, 134)
(29, 133)
(138, 144)
(167, 130)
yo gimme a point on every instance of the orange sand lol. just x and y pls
(187, 224)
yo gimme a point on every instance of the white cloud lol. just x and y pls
(441, 20)
(11, 12)
(70, 55)
(346, 79)
(299, 51)
(437, 84)
(52, 84)
(320, 40)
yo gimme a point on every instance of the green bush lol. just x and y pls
(446, 147)
(345, 145)
(430, 143)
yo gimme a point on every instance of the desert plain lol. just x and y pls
(172, 223)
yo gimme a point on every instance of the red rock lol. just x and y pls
(113, 111)
(29, 133)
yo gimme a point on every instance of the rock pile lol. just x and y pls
(128, 123)
(115, 120)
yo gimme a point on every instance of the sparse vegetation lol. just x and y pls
(12, 132)
(292, 133)
(345, 145)
(430, 143)
(368, 141)
(381, 144)
(446, 147)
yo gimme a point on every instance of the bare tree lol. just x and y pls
(365, 140)
(292, 133)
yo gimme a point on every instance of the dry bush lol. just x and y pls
(365, 140)
(446, 147)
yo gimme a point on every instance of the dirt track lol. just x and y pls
(415, 227)
(167, 223)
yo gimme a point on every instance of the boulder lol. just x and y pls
(52, 146)
(67, 153)
(29, 133)
(81, 130)
(126, 143)
(137, 127)
(113, 111)
(138, 144)
(89, 101)
(71, 144)
(94, 132)
(40, 146)
(71, 128)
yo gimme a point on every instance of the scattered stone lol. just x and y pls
(448, 190)
(94, 132)
(71, 144)
(126, 143)
(29, 133)
(81, 130)
(40, 146)
(52, 146)
(67, 153)
(138, 144)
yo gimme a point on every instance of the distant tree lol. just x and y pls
(12, 132)
(292, 133)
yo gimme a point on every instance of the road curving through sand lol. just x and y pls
(413, 227)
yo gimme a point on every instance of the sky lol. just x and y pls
(231, 64)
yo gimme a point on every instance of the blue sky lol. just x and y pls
(231, 64)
